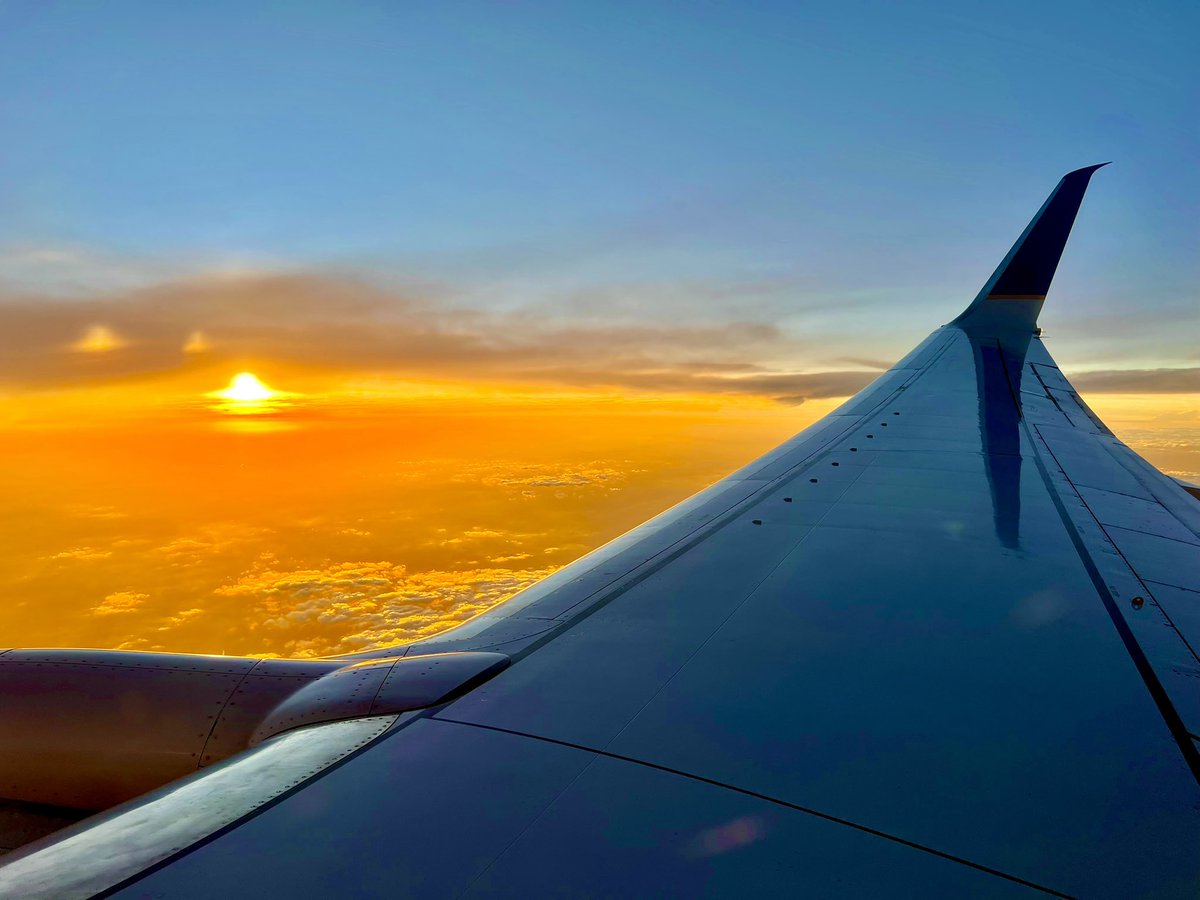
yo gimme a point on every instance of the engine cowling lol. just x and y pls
(87, 729)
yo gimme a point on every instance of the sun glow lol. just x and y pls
(345, 511)
(246, 388)
(247, 395)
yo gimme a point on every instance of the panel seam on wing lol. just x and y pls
(1116, 548)
(1145, 668)
(829, 817)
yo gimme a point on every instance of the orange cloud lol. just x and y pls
(350, 606)
(120, 603)
(98, 339)
(503, 473)
(83, 554)
(196, 343)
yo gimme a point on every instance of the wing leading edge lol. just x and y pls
(942, 638)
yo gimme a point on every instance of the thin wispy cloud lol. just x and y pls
(1139, 381)
(353, 325)
(349, 324)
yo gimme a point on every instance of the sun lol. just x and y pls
(246, 388)
(247, 396)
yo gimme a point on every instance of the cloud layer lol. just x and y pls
(1139, 381)
(350, 325)
(369, 604)
(347, 324)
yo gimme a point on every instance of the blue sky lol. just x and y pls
(848, 172)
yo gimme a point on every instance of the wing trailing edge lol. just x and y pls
(1012, 298)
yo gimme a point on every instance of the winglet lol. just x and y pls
(1012, 298)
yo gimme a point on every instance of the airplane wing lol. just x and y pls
(943, 642)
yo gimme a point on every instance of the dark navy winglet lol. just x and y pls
(1012, 298)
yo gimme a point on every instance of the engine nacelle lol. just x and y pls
(88, 729)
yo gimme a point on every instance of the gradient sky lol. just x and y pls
(663, 225)
(821, 167)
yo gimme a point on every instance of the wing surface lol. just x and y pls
(942, 642)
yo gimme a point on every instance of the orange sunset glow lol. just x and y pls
(135, 519)
(386, 509)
